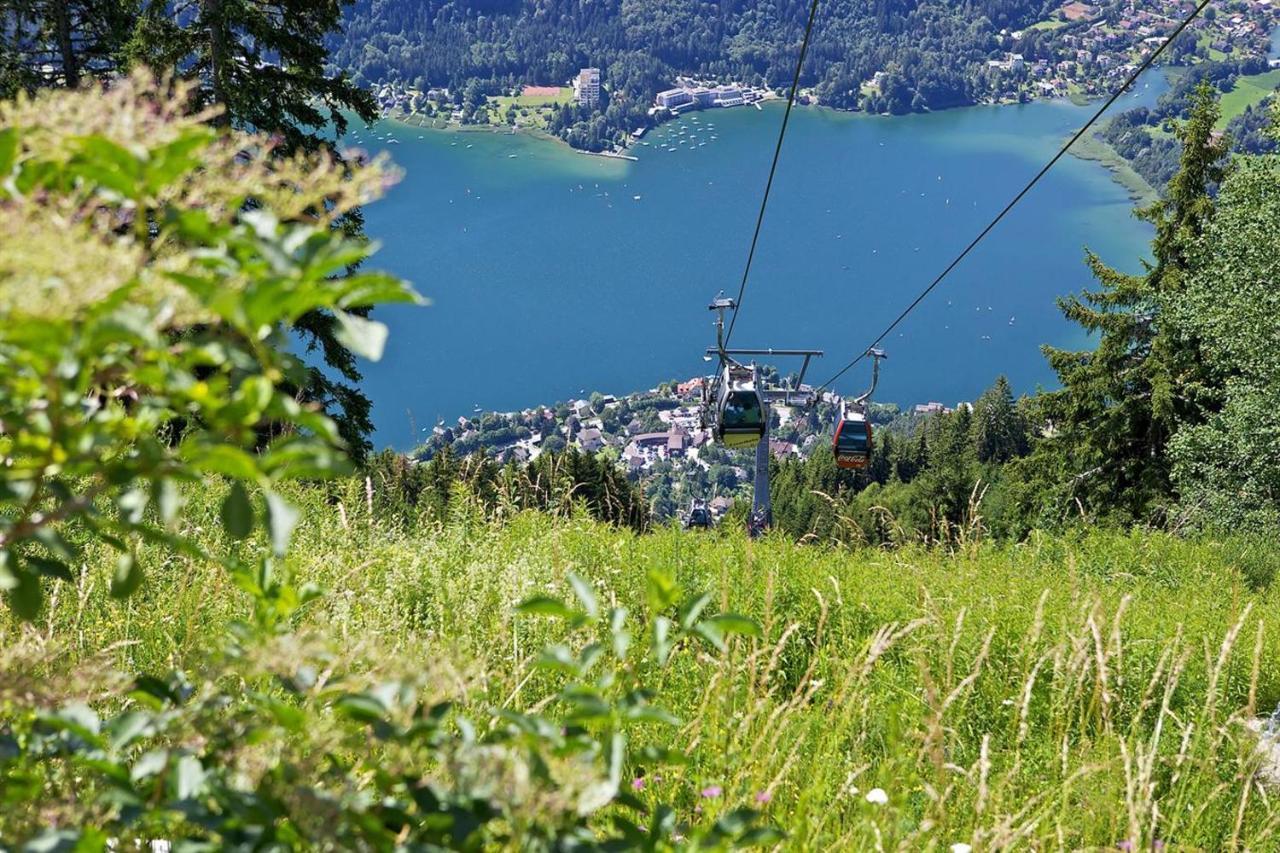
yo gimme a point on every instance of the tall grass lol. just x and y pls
(1068, 692)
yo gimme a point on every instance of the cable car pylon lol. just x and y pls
(735, 406)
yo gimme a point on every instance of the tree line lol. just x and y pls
(934, 53)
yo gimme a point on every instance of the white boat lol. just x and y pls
(636, 197)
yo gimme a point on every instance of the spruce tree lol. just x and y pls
(1122, 401)
(263, 63)
(999, 432)
(60, 42)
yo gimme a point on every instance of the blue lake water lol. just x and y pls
(552, 272)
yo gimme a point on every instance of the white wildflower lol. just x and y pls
(877, 797)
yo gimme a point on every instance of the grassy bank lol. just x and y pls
(1064, 693)
(1090, 147)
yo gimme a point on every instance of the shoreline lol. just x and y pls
(1089, 148)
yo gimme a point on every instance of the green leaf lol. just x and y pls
(221, 459)
(132, 504)
(363, 337)
(661, 590)
(617, 756)
(237, 512)
(148, 764)
(558, 657)
(737, 820)
(51, 568)
(543, 605)
(692, 609)
(127, 728)
(26, 597)
(81, 715)
(186, 778)
(662, 644)
(761, 836)
(711, 634)
(363, 707)
(585, 594)
(56, 543)
(733, 623)
(168, 501)
(8, 151)
(8, 571)
(282, 518)
(127, 578)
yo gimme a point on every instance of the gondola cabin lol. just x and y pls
(740, 410)
(852, 442)
(699, 516)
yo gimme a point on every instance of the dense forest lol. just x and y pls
(934, 53)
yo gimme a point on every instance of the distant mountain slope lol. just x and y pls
(934, 50)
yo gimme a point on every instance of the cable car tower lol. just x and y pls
(735, 406)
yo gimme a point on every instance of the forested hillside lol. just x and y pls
(934, 52)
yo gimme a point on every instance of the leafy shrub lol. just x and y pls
(150, 270)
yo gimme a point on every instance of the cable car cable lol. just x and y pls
(777, 150)
(994, 222)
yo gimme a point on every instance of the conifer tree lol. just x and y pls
(263, 63)
(60, 42)
(1122, 401)
(999, 432)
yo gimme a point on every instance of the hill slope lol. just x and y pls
(1063, 693)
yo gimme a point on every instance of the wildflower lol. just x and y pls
(1124, 845)
(764, 797)
(961, 847)
(1158, 844)
(637, 784)
(712, 791)
(877, 797)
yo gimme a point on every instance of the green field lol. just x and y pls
(537, 108)
(1050, 24)
(1064, 693)
(1247, 92)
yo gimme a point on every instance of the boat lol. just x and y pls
(636, 197)
(511, 156)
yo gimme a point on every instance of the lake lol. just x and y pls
(554, 273)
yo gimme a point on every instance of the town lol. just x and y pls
(1084, 50)
(657, 436)
(1080, 51)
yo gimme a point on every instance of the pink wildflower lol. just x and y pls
(712, 791)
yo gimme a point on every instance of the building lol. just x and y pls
(586, 88)
(590, 440)
(673, 98)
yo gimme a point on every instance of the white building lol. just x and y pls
(673, 98)
(586, 88)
